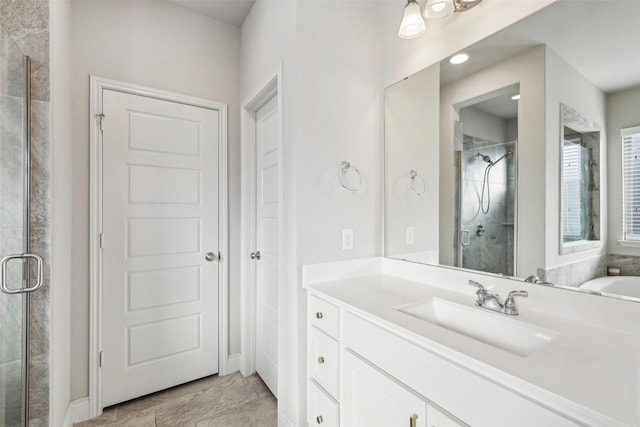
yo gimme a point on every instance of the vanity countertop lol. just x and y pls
(586, 370)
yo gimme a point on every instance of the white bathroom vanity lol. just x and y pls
(392, 343)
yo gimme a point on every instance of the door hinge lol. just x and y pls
(101, 240)
(100, 117)
(100, 359)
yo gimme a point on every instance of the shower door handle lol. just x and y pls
(465, 238)
(3, 275)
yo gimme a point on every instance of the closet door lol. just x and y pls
(160, 241)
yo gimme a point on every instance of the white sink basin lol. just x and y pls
(496, 329)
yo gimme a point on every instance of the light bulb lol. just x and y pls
(438, 9)
(412, 24)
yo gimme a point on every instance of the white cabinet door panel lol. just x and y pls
(373, 399)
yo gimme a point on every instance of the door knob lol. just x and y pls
(255, 255)
(210, 256)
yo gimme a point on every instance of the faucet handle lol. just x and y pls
(477, 285)
(510, 304)
(481, 293)
(517, 294)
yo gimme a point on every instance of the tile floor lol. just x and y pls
(230, 401)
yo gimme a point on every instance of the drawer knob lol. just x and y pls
(321, 360)
(319, 419)
(319, 315)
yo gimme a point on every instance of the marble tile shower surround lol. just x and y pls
(491, 251)
(629, 264)
(592, 142)
(26, 22)
(575, 274)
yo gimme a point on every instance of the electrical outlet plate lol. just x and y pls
(347, 240)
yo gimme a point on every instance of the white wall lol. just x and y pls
(61, 125)
(339, 105)
(164, 46)
(526, 69)
(483, 125)
(623, 111)
(412, 141)
(564, 84)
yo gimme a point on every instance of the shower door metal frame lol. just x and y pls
(25, 289)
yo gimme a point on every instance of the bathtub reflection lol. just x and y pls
(619, 285)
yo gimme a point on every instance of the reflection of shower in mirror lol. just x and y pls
(485, 181)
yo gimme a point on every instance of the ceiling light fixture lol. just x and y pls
(412, 23)
(516, 97)
(459, 58)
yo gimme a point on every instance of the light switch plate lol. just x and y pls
(347, 240)
(408, 236)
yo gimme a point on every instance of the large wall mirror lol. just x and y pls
(511, 163)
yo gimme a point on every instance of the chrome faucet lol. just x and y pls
(491, 301)
(537, 281)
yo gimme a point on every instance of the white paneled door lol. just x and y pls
(159, 244)
(267, 266)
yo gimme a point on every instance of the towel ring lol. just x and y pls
(415, 175)
(344, 168)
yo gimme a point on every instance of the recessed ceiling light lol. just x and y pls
(516, 97)
(459, 58)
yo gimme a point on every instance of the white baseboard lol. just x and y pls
(78, 411)
(233, 364)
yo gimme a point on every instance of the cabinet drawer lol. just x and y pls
(324, 316)
(323, 360)
(322, 410)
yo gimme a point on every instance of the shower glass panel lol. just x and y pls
(13, 307)
(486, 157)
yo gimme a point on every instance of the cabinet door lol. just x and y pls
(439, 418)
(374, 399)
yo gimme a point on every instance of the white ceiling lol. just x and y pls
(501, 106)
(600, 39)
(232, 12)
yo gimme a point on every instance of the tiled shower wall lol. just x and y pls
(27, 23)
(493, 250)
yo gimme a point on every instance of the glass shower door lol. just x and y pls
(18, 276)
